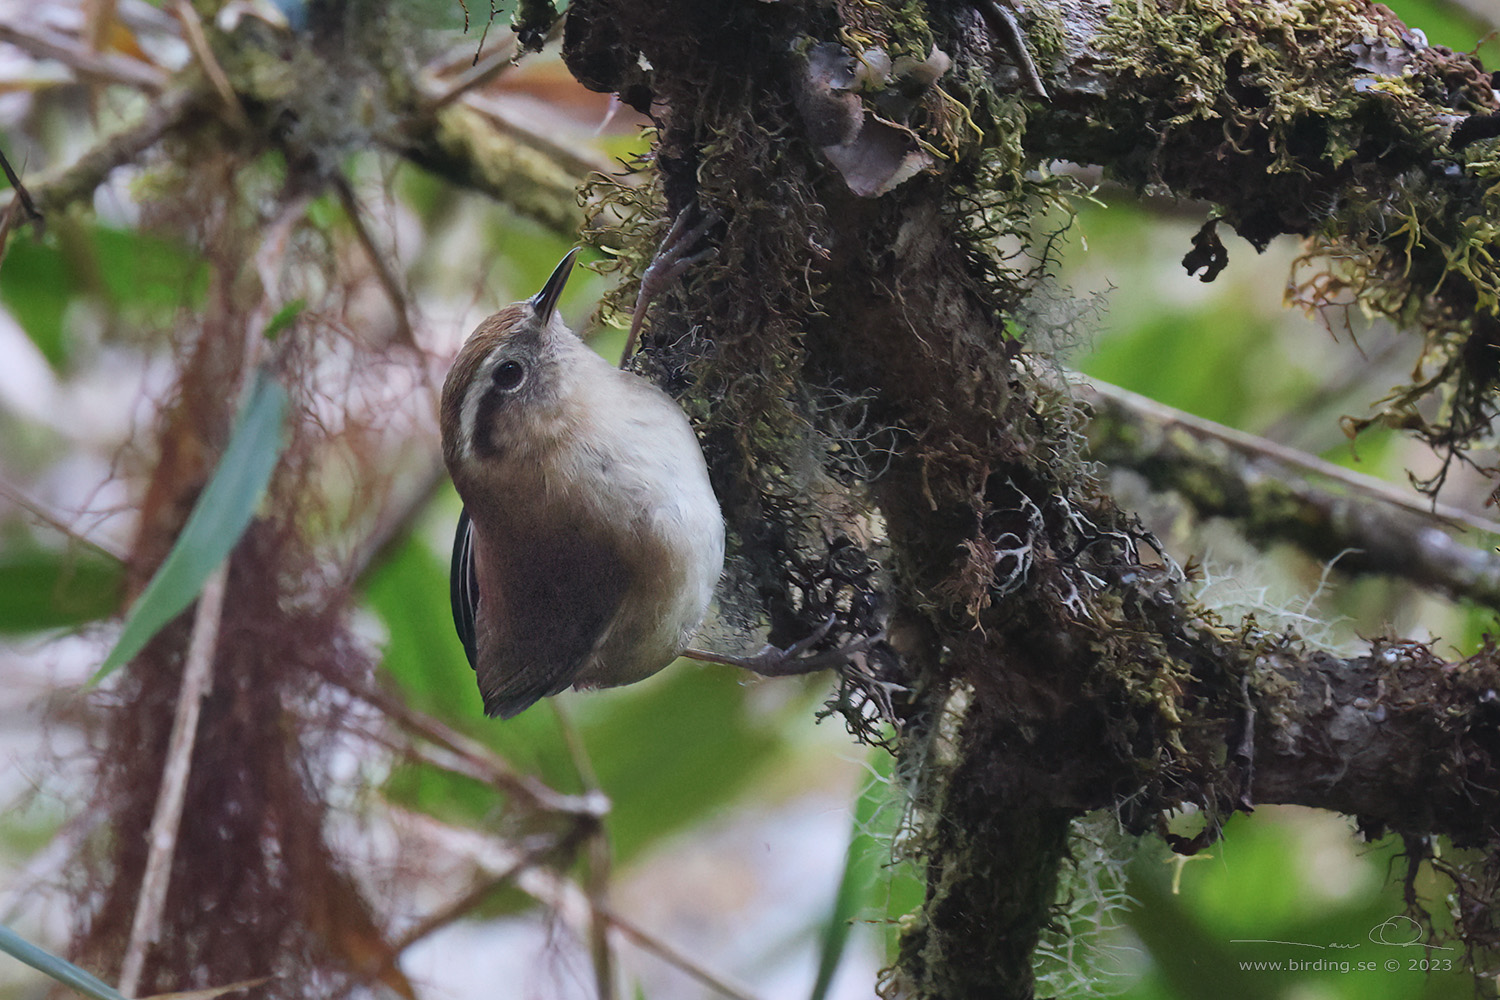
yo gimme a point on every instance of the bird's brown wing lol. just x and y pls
(546, 597)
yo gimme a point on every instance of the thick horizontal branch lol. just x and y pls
(465, 147)
(1398, 738)
(58, 189)
(1264, 488)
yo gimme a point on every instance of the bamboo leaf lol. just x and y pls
(216, 523)
(60, 969)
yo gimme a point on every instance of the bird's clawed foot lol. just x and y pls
(679, 251)
(772, 661)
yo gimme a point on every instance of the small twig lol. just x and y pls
(54, 521)
(458, 908)
(197, 680)
(192, 31)
(22, 201)
(472, 758)
(672, 956)
(596, 885)
(387, 277)
(100, 16)
(516, 870)
(474, 75)
(77, 56)
(558, 893)
(23, 197)
(475, 897)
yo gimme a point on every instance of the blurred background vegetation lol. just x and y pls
(745, 841)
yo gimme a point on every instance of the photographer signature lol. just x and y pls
(1394, 932)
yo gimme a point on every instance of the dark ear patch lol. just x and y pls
(491, 403)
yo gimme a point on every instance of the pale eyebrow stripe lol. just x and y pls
(473, 396)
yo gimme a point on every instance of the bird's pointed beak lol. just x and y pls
(545, 301)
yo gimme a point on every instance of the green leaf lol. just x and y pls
(861, 870)
(216, 523)
(285, 317)
(60, 969)
(35, 286)
(141, 280)
(41, 590)
(146, 276)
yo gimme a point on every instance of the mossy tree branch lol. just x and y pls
(866, 160)
(1272, 496)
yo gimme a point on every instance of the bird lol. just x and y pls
(590, 541)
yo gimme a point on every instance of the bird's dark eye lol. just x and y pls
(508, 375)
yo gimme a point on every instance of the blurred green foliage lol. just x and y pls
(45, 589)
(1289, 886)
(138, 280)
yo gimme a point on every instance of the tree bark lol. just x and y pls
(1051, 662)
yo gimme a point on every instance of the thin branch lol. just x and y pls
(463, 146)
(672, 956)
(474, 75)
(388, 280)
(1257, 483)
(1261, 448)
(56, 522)
(192, 31)
(79, 57)
(197, 679)
(56, 190)
(469, 757)
(504, 864)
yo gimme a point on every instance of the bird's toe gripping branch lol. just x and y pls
(680, 250)
(774, 661)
